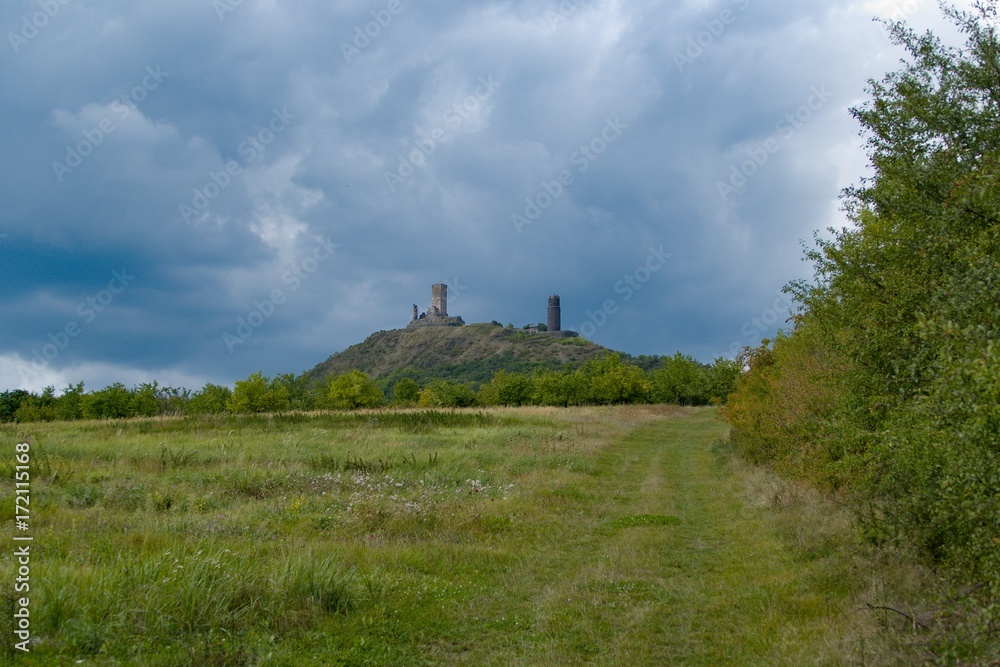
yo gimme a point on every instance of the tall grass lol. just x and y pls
(522, 536)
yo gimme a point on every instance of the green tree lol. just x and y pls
(145, 400)
(10, 401)
(405, 391)
(300, 393)
(350, 391)
(447, 394)
(610, 381)
(258, 394)
(558, 388)
(893, 359)
(681, 380)
(173, 400)
(212, 399)
(112, 402)
(37, 408)
(70, 405)
(506, 389)
(908, 297)
(721, 380)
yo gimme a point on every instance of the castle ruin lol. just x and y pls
(437, 315)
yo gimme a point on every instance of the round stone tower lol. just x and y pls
(555, 316)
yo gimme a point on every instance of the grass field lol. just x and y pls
(611, 536)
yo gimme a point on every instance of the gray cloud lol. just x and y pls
(488, 104)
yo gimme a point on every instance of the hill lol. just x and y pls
(468, 354)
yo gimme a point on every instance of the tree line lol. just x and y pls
(606, 380)
(887, 389)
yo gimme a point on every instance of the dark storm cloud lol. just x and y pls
(216, 150)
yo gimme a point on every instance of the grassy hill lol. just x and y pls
(469, 354)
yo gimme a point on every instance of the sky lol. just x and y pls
(196, 190)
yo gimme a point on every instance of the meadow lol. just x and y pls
(516, 536)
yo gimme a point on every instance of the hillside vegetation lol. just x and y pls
(468, 354)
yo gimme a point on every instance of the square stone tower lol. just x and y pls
(439, 300)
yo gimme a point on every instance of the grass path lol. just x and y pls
(659, 558)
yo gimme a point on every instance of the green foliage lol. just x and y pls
(890, 381)
(405, 391)
(783, 407)
(173, 400)
(447, 394)
(300, 391)
(258, 394)
(554, 388)
(351, 391)
(35, 409)
(506, 389)
(112, 402)
(722, 377)
(10, 402)
(70, 404)
(145, 401)
(212, 399)
(681, 380)
(611, 381)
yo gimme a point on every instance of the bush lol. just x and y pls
(212, 399)
(610, 381)
(506, 389)
(10, 401)
(784, 405)
(682, 381)
(406, 391)
(890, 382)
(112, 402)
(447, 394)
(258, 394)
(35, 409)
(558, 388)
(351, 391)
